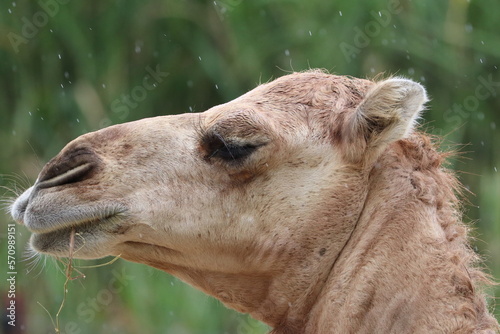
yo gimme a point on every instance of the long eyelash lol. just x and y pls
(200, 129)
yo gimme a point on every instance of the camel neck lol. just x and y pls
(407, 267)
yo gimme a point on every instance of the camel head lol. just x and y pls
(244, 201)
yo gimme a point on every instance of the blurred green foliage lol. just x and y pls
(69, 67)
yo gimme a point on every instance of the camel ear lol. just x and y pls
(387, 113)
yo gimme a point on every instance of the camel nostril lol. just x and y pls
(78, 173)
(70, 167)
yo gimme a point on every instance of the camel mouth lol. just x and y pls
(52, 218)
(87, 234)
(82, 224)
(77, 222)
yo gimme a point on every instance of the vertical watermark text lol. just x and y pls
(11, 275)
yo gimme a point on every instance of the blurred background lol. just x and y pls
(70, 67)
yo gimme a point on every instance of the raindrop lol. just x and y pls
(29, 112)
(59, 55)
(481, 60)
(411, 71)
(340, 12)
(66, 75)
(310, 33)
(90, 28)
(287, 52)
(140, 235)
(103, 86)
(379, 14)
(493, 125)
(199, 57)
(482, 42)
(422, 78)
(495, 169)
(14, 132)
(480, 116)
(468, 27)
(372, 70)
(216, 87)
(9, 10)
(482, 143)
(496, 68)
(137, 49)
(42, 118)
(171, 283)
(51, 31)
(14, 4)
(190, 109)
(78, 120)
(62, 86)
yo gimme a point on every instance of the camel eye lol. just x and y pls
(230, 152)
(218, 147)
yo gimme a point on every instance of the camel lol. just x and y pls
(311, 202)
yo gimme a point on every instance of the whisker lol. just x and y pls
(39, 163)
(34, 260)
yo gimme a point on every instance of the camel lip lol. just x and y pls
(56, 242)
(41, 218)
(78, 223)
(63, 232)
(18, 207)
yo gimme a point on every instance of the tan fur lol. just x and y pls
(342, 218)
